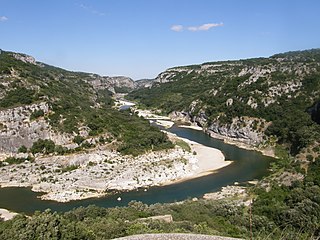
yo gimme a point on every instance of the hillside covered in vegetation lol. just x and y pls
(70, 104)
(273, 100)
(276, 96)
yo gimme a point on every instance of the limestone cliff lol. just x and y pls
(17, 128)
(72, 111)
(111, 83)
(247, 100)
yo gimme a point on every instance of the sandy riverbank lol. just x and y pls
(147, 114)
(93, 172)
(164, 123)
(6, 214)
(123, 102)
(209, 159)
(269, 151)
(99, 170)
(191, 127)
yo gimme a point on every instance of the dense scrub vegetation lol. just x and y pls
(292, 209)
(13, 160)
(297, 217)
(294, 91)
(283, 212)
(74, 103)
(295, 207)
(18, 96)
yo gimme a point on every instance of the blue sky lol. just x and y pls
(141, 38)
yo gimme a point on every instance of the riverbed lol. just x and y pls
(247, 165)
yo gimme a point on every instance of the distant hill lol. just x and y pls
(270, 103)
(273, 101)
(144, 83)
(38, 101)
(249, 100)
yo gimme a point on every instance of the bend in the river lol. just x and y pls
(247, 165)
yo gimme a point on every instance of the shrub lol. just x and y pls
(60, 150)
(13, 160)
(78, 139)
(36, 114)
(185, 146)
(18, 96)
(23, 149)
(45, 146)
(69, 168)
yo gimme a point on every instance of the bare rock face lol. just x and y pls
(170, 74)
(229, 102)
(175, 236)
(121, 81)
(245, 129)
(110, 83)
(201, 119)
(17, 129)
(288, 178)
(144, 83)
(180, 116)
(24, 58)
(248, 130)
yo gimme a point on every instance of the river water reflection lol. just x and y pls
(247, 165)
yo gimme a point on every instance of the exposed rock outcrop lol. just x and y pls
(91, 173)
(168, 75)
(111, 83)
(24, 58)
(247, 130)
(17, 129)
(180, 116)
(175, 236)
(244, 129)
(144, 83)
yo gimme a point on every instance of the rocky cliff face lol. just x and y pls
(118, 83)
(144, 83)
(111, 83)
(244, 129)
(68, 109)
(56, 93)
(17, 128)
(247, 130)
(171, 74)
(231, 98)
(25, 58)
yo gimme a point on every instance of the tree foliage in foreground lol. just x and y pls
(280, 213)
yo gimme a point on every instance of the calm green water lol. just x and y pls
(247, 165)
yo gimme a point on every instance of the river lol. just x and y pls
(247, 165)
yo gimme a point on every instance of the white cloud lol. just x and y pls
(3, 18)
(204, 27)
(177, 28)
(91, 10)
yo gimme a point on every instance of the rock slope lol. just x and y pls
(175, 236)
(247, 100)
